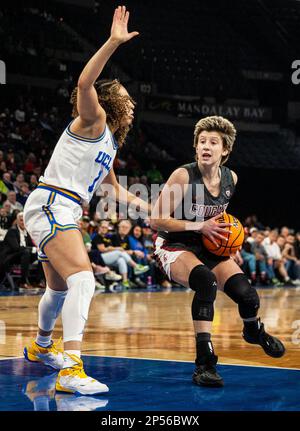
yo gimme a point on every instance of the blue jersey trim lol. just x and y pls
(63, 192)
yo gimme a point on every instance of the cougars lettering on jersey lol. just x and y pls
(207, 211)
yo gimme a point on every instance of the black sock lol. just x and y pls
(252, 327)
(204, 347)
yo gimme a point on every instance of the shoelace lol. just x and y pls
(56, 347)
(77, 370)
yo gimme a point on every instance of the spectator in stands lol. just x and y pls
(98, 264)
(252, 221)
(3, 167)
(12, 199)
(284, 231)
(3, 188)
(274, 257)
(18, 248)
(297, 246)
(83, 225)
(18, 183)
(121, 237)
(10, 161)
(23, 193)
(281, 241)
(33, 183)
(291, 261)
(30, 163)
(154, 175)
(260, 254)
(115, 256)
(5, 222)
(253, 234)
(136, 243)
(7, 181)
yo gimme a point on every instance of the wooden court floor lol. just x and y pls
(158, 325)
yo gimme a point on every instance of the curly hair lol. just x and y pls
(220, 125)
(113, 103)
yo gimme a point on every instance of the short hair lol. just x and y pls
(220, 125)
(125, 221)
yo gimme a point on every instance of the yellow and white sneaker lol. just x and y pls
(74, 380)
(75, 403)
(51, 356)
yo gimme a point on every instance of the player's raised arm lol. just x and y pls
(88, 106)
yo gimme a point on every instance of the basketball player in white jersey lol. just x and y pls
(81, 161)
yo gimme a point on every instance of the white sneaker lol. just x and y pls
(74, 380)
(50, 356)
(99, 286)
(72, 403)
(112, 276)
(140, 269)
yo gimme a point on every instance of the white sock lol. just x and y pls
(81, 287)
(50, 307)
(68, 361)
(43, 340)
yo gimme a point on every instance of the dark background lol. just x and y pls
(216, 53)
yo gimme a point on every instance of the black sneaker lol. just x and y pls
(271, 345)
(206, 374)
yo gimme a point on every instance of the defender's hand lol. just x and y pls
(119, 31)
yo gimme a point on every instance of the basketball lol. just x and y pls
(233, 241)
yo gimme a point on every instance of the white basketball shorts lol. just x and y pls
(49, 209)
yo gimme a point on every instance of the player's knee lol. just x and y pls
(81, 287)
(204, 283)
(238, 288)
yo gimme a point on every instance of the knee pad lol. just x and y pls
(238, 288)
(204, 283)
(81, 287)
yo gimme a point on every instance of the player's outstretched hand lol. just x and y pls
(119, 29)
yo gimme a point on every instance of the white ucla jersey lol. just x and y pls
(80, 164)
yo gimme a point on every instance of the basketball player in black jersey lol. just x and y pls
(202, 190)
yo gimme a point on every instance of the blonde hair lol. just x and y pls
(113, 103)
(220, 125)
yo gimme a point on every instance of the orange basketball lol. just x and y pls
(233, 241)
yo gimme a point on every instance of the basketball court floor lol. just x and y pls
(141, 344)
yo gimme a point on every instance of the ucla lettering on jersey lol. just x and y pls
(80, 164)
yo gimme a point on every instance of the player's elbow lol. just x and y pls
(83, 84)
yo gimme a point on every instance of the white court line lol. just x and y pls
(170, 360)
(188, 362)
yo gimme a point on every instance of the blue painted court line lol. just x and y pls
(150, 385)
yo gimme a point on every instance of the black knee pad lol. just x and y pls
(204, 283)
(238, 288)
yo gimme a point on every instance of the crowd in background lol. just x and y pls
(120, 251)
